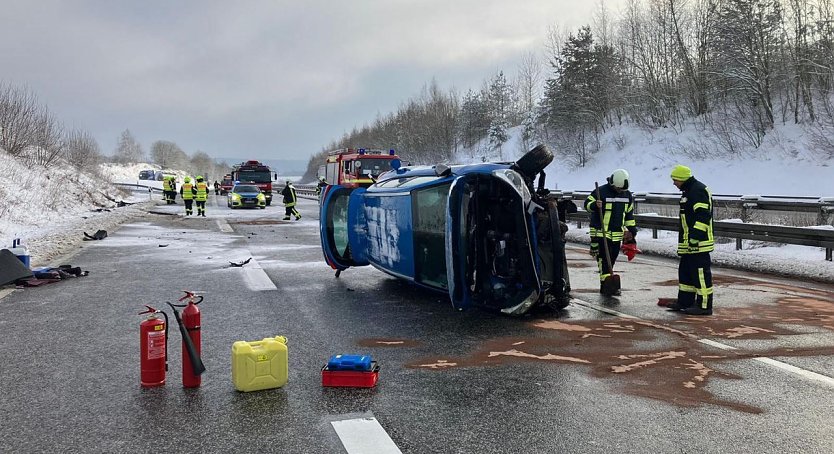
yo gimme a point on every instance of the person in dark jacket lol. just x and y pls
(290, 199)
(617, 205)
(695, 242)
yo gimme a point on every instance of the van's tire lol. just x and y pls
(534, 161)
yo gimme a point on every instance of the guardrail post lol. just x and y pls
(738, 244)
(654, 234)
(828, 253)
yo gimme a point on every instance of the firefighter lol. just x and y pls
(187, 192)
(216, 188)
(695, 242)
(617, 205)
(201, 195)
(166, 190)
(290, 199)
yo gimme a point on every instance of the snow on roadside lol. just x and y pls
(50, 208)
(780, 259)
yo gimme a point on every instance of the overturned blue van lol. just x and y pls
(480, 233)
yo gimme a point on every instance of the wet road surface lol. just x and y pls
(604, 375)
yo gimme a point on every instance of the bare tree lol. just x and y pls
(163, 152)
(48, 146)
(81, 150)
(128, 150)
(19, 113)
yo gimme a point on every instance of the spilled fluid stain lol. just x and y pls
(545, 357)
(439, 364)
(679, 372)
(382, 342)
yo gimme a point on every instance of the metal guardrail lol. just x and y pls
(803, 236)
(823, 206)
(138, 186)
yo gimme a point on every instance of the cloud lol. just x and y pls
(226, 76)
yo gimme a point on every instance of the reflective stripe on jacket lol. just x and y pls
(695, 234)
(289, 195)
(202, 191)
(618, 213)
(187, 191)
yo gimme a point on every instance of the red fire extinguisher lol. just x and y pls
(192, 364)
(153, 341)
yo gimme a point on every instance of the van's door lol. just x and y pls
(334, 227)
(460, 244)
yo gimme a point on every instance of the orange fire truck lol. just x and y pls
(354, 167)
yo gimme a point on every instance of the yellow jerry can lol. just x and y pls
(260, 364)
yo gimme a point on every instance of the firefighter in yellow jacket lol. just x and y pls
(695, 242)
(187, 192)
(201, 196)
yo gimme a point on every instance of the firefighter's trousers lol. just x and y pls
(291, 211)
(188, 206)
(614, 251)
(695, 281)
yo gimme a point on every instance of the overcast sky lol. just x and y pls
(259, 79)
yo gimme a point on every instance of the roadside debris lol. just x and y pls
(48, 275)
(240, 264)
(99, 235)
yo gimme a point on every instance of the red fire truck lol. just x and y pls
(354, 167)
(226, 184)
(254, 172)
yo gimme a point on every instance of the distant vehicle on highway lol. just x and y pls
(257, 173)
(146, 175)
(246, 196)
(479, 232)
(226, 184)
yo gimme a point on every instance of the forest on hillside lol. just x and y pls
(730, 69)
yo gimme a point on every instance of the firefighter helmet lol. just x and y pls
(619, 179)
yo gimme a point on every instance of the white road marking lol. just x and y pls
(804, 373)
(364, 436)
(255, 277)
(224, 226)
(5, 292)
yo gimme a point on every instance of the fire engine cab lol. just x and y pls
(355, 167)
(257, 173)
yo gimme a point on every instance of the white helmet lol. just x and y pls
(619, 179)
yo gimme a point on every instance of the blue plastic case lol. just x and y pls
(349, 362)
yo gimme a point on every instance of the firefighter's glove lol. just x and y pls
(630, 250)
(693, 245)
(594, 252)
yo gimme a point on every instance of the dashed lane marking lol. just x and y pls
(255, 277)
(804, 373)
(224, 226)
(363, 436)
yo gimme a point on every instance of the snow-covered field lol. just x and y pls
(49, 209)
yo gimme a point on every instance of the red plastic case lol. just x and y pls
(350, 378)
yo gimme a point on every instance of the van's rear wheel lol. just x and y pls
(534, 161)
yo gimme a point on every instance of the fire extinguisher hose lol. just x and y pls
(196, 362)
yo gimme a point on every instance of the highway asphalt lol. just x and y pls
(605, 375)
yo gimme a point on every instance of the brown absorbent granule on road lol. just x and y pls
(678, 373)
